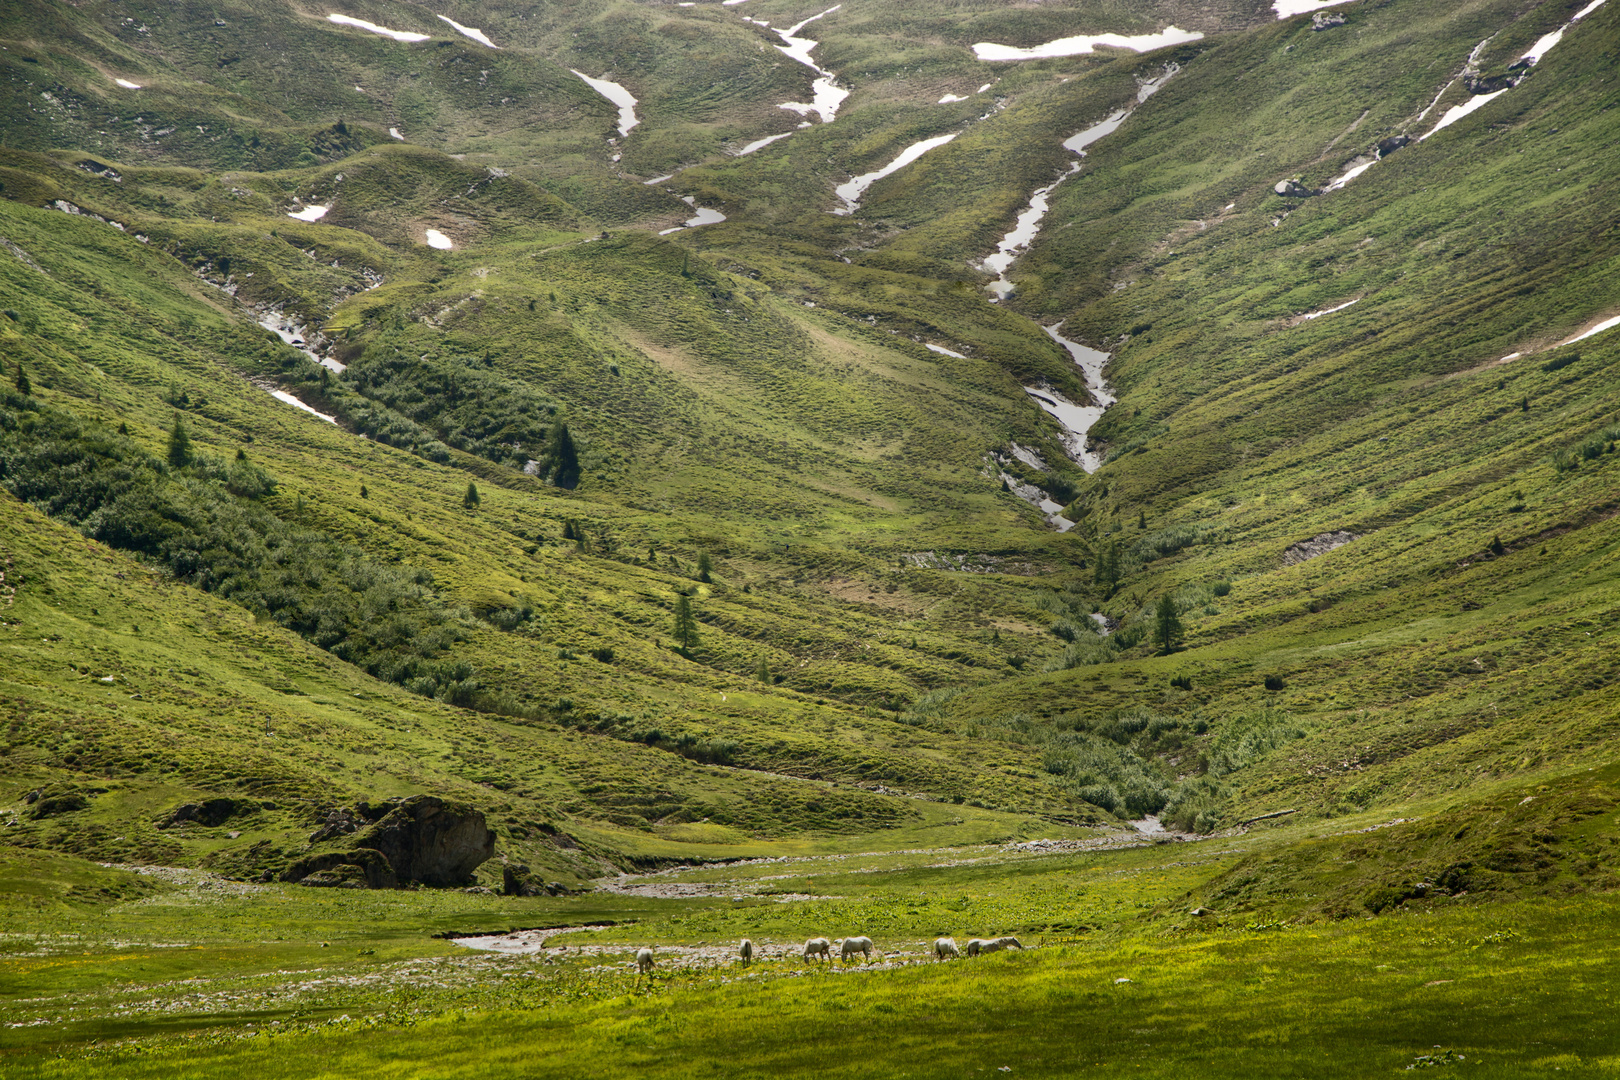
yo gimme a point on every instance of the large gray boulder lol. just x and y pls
(432, 841)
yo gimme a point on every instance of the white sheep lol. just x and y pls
(853, 945)
(945, 949)
(817, 946)
(980, 945)
(746, 951)
(644, 961)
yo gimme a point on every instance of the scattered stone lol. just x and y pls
(1293, 189)
(1388, 146)
(1200, 912)
(1320, 544)
(1324, 20)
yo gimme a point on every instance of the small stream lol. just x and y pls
(852, 190)
(1017, 242)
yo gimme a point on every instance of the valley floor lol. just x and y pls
(1118, 975)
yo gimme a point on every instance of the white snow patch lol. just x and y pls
(851, 191)
(1329, 311)
(948, 98)
(1287, 9)
(1082, 44)
(1542, 46)
(619, 96)
(470, 31)
(282, 395)
(704, 216)
(760, 144)
(983, 88)
(1457, 112)
(311, 213)
(1607, 324)
(1350, 174)
(127, 85)
(827, 95)
(659, 179)
(361, 24)
(1078, 419)
(942, 350)
(394, 133)
(437, 239)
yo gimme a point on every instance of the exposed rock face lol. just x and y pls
(361, 868)
(1324, 20)
(432, 841)
(210, 813)
(1320, 544)
(1392, 144)
(520, 881)
(1293, 189)
(420, 839)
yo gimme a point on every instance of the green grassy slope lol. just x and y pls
(893, 653)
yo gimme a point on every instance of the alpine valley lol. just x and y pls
(502, 502)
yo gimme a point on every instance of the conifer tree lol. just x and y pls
(705, 567)
(685, 629)
(1166, 624)
(23, 386)
(564, 457)
(179, 444)
(471, 499)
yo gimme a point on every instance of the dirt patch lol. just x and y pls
(859, 592)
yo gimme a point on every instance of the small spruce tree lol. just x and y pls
(179, 444)
(685, 629)
(23, 386)
(471, 500)
(364, 494)
(1166, 624)
(705, 568)
(763, 671)
(564, 457)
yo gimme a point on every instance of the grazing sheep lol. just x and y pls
(746, 951)
(945, 949)
(853, 945)
(817, 946)
(979, 945)
(644, 961)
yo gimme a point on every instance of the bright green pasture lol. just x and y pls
(1512, 990)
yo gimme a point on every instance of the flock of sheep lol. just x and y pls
(944, 949)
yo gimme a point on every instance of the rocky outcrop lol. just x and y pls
(518, 880)
(1326, 20)
(432, 841)
(209, 813)
(361, 868)
(1293, 189)
(1320, 544)
(1393, 143)
(422, 839)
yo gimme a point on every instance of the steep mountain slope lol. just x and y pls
(674, 480)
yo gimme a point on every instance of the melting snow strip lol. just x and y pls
(282, 395)
(759, 144)
(361, 24)
(1329, 311)
(1287, 9)
(471, 31)
(851, 191)
(1083, 44)
(127, 85)
(310, 213)
(619, 96)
